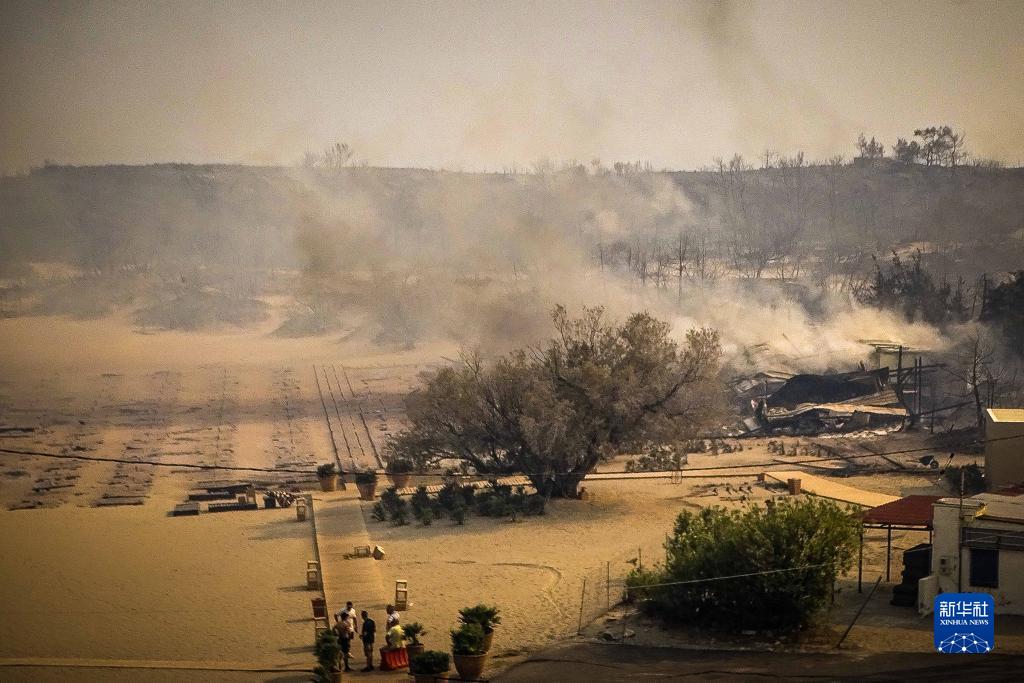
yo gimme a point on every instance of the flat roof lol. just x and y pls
(907, 511)
(1006, 414)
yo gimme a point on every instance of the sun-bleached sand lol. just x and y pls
(133, 585)
(129, 584)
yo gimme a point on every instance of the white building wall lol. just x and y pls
(1009, 596)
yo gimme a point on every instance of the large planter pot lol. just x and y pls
(399, 480)
(488, 640)
(329, 483)
(430, 678)
(336, 677)
(470, 666)
(367, 491)
(416, 649)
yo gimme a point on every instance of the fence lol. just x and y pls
(602, 587)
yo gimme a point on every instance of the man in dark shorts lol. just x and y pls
(368, 635)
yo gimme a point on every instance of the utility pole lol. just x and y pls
(960, 538)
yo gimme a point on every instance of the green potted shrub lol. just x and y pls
(486, 616)
(366, 482)
(328, 656)
(468, 650)
(328, 476)
(429, 666)
(413, 632)
(399, 471)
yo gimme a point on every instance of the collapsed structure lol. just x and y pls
(779, 402)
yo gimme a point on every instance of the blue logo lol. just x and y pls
(965, 623)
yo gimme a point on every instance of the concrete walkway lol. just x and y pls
(340, 527)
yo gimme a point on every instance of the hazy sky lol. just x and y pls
(481, 85)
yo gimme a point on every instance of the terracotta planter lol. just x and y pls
(488, 640)
(329, 483)
(416, 649)
(470, 666)
(430, 678)
(367, 491)
(336, 677)
(399, 480)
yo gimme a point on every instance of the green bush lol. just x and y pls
(366, 477)
(328, 469)
(400, 514)
(328, 652)
(429, 662)
(715, 542)
(468, 639)
(459, 513)
(413, 632)
(399, 466)
(485, 616)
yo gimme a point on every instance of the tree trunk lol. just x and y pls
(558, 485)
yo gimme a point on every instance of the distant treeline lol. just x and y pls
(785, 219)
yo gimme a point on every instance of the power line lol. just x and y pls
(151, 463)
(732, 576)
(688, 470)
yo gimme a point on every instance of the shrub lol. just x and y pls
(485, 616)
(812, 533)
(389, 499)
(328, 651)
(379, 512)
(366, 477)
(413, 632)
(429, 662)
(468, 639)
(328, 469)
(449, 495)
(974, 478)
(659, 458)
(468, 495)
(459, 513)
(399, 466)
(400, 514)
(535, 504)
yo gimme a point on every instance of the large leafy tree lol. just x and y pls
(786, 557)
(555, 411)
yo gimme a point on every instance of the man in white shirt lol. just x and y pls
(346, 630)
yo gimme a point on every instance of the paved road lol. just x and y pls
(604, 663)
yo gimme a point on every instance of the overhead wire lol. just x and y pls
(688, 470)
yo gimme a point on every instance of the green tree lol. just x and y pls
(554, 412)
(814, 535)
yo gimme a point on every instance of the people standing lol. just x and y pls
(346, 630)
(394, 618)
(368, 635)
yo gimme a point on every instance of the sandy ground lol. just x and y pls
(132, 584)
(129, 584)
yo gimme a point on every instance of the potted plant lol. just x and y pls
(486, 616)
(328, 476)
(366, 482)
(399, 471)
(413, 632)
(429, 666)
(468, 650)
(328, 654)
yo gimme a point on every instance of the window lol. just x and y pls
(985, 567)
